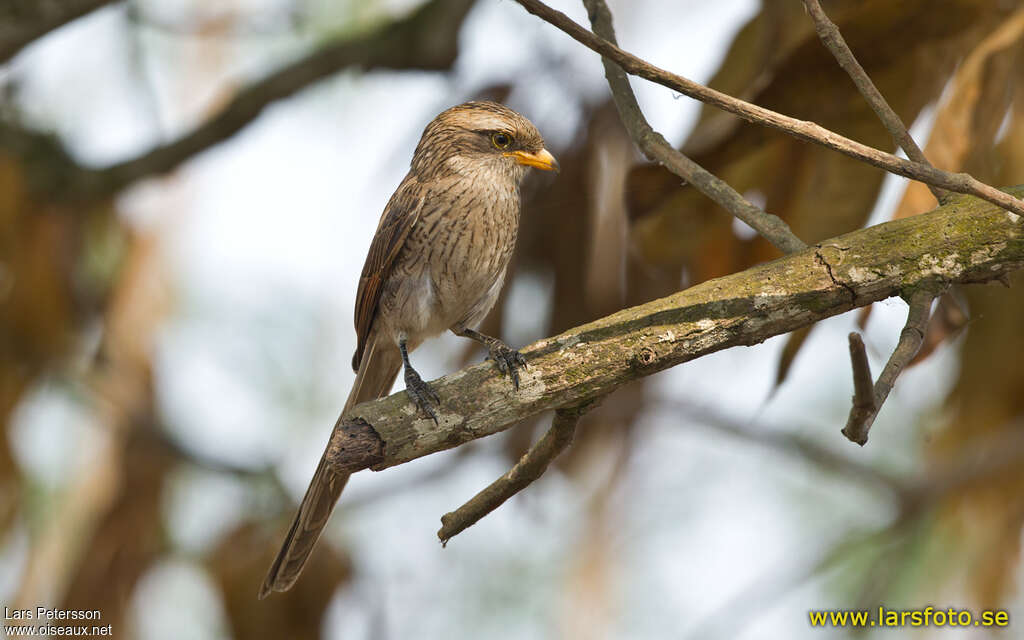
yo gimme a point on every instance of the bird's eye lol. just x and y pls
(501, 140)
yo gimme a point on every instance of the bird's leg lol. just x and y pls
(508, 360)
(420, 392)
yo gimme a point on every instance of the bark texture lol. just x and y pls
(965, 241)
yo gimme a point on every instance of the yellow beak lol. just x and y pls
(541, 159)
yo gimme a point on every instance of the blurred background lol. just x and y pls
(175, 341)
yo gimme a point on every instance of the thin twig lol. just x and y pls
(859, 423)
(657, 149)
(910, 342)
(809, 131)
(834, 42)
(426, 39)
(530, 467)
(863, 385)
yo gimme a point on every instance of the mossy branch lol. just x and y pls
(965, 241)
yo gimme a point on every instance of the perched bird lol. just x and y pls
(436, 263)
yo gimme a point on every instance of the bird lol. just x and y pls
(436, 263)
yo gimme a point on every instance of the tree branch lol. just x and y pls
(23, 21)
(834, 42)
(966, 241)
(863, 387)
(809, 131)
(530, 467)
(657, 149)
(426, 39)
(861, 418)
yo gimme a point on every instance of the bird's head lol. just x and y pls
(479, 136)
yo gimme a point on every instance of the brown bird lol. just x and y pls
(436, 263)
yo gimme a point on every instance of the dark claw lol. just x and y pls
(508, 361)
(421, 393)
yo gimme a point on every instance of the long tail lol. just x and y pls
(377, 373)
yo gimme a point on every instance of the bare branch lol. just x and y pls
(861, 417)
(23, 21)
(965, 241)
(863, 385)
(809, 131)
(530, 467)
(834, 42)
(657, 149)
(426, 39)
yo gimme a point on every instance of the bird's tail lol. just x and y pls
(376, 374)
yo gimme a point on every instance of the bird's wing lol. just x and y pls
(400, 216)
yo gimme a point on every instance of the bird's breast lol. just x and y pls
(451, 267)
(470, 244)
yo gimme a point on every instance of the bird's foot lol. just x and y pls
(421, 393)
(508, 360)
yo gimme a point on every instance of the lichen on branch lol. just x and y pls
(965, 241)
